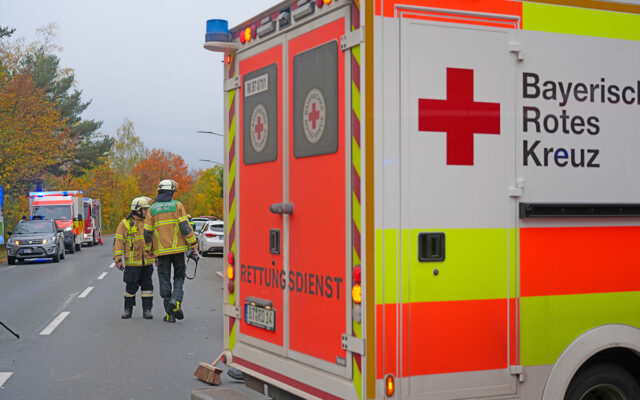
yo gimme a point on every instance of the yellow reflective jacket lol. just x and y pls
(167, 229)
(128, 244)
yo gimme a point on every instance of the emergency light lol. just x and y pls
(217, 31)
(217, 37)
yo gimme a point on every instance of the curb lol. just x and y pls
(217, 394)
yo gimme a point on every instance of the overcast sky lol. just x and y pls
(143, 60)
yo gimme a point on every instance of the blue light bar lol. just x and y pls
(217, 31)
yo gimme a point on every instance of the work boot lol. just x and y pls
(169, 318)
(127, 313)
(146, 314)
(177, 309)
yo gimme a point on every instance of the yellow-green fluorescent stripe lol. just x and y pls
(357, 329)
(386, 266)
(232, 337)
(232, 172)
(580, 21)
(232, 213)
(232, 95)
(476, 266)
(355, 155)
(357, 379)
(548, 324)
(355, 99)
(356, 259)
(479, 264)
(356, 210)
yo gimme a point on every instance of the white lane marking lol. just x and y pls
(54, 324)
(4, 376)
(220, 274)
(112, 265)
(102, 275)
(8, 268)
(86, 292)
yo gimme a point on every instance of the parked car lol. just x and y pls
(38, 238)
(199, 222)
(211, 238)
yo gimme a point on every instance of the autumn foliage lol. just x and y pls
(159, 165)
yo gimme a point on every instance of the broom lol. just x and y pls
(208, 372)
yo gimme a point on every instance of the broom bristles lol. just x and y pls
(208, 373)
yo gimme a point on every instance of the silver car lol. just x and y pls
(31, 239)
(211, 238)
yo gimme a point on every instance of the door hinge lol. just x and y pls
(352, 38)
(231, 311)
(518, 189)
(232, 83)
(516, 48)
(518, 371)
(352, 344)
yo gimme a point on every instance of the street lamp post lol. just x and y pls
(211, 133)
(213, 162)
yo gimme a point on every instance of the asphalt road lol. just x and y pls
(92, 353)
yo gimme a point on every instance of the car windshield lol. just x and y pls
(199, 225)
(217, 228)
(53, 212)
(34, 227)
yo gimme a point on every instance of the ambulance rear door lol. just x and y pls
(294, 196)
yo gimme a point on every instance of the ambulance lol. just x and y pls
(65, 208)
(433, 199)
(92, 212)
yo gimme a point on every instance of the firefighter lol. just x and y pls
(129, 246)
(168, 235)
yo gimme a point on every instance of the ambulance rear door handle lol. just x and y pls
(281, 208)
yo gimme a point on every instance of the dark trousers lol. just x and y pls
(164, 276)
(135, 277)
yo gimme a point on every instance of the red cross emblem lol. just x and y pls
(259, 128)
(459, 116)
(314, 115)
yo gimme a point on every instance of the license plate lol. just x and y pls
(26, 251)
(261, 317)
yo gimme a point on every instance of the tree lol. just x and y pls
(159, 165)
(204, 198)
(5, 31)
(127, 150)
(31, 133)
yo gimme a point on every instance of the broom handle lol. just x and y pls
(217, 360)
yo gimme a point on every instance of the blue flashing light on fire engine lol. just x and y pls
(217, 31)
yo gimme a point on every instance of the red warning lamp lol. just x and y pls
(357, 274)
(242, 39)
(231, 258)
(389, 386)
(228, 58)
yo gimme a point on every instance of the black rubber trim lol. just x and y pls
(551, 210)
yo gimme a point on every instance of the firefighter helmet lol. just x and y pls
(168, 184)
(140, 202)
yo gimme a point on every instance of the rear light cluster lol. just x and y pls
(231, 273)
(356, 294)
(280, 19)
